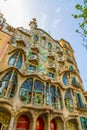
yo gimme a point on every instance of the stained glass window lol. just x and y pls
(26, 91)
(65, 79)
(19, 62)
(53, 95)
(68, 101)
(13, 85)
(5, 83)
(59, 99)
(16, 59)
(47, 95)
(38, 93)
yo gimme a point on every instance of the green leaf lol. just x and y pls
(79, 7)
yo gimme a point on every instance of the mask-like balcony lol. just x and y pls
(59, 51)
(35, 48)
(51, 55)
(61, 59)
(33, 59)
(52, 67)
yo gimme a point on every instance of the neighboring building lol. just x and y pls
(40, 84)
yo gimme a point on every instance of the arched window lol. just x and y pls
(53, 95)
(26, 91)
(59, 99)
(65, 79)
(16, 59)
(68, 101)
(8, 88)
(38, 93)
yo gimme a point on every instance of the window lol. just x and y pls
(65, 79)
(32, 68)
(47, 95)
(71, 68)
(83, 122)
(67, 52)
(51, 75)
(59, 99)
(36, 37)
(5, 84)
(16, 59)
(79, 101)
(68, 101)
(75, 82)
(26, 91)
(49, 45)
(53, 96)
(38, 93)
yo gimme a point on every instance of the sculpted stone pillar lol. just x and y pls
(34, 124)
(79, 124)
(48, 122)
(11, 125)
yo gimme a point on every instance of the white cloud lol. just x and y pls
(43, 20)
(56, 22)
(58, 10)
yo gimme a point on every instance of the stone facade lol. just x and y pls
(40, 84)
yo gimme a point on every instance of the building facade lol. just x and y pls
(40, 84)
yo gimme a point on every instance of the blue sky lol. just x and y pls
(55, 17)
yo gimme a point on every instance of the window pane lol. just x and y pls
(12, 60)
(19, 62)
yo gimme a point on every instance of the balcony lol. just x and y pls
(52, 67)
(35, 48)
(61, 59)
(51, 55)
(33, 59)
(76, 83)
(59, 51)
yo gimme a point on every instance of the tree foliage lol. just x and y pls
(83, 18)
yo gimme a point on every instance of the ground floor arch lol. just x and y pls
(0, 126)
(40, 124)
(72, 124)
(23, 122)
(4, 119)
(53, 125)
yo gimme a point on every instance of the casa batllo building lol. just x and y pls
(40, 84)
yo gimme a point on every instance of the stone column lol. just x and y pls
(34, 125)
(48, 122)
(32, 97)
(65, 125)
(44, 94)
(79, 124)
(11, 125)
